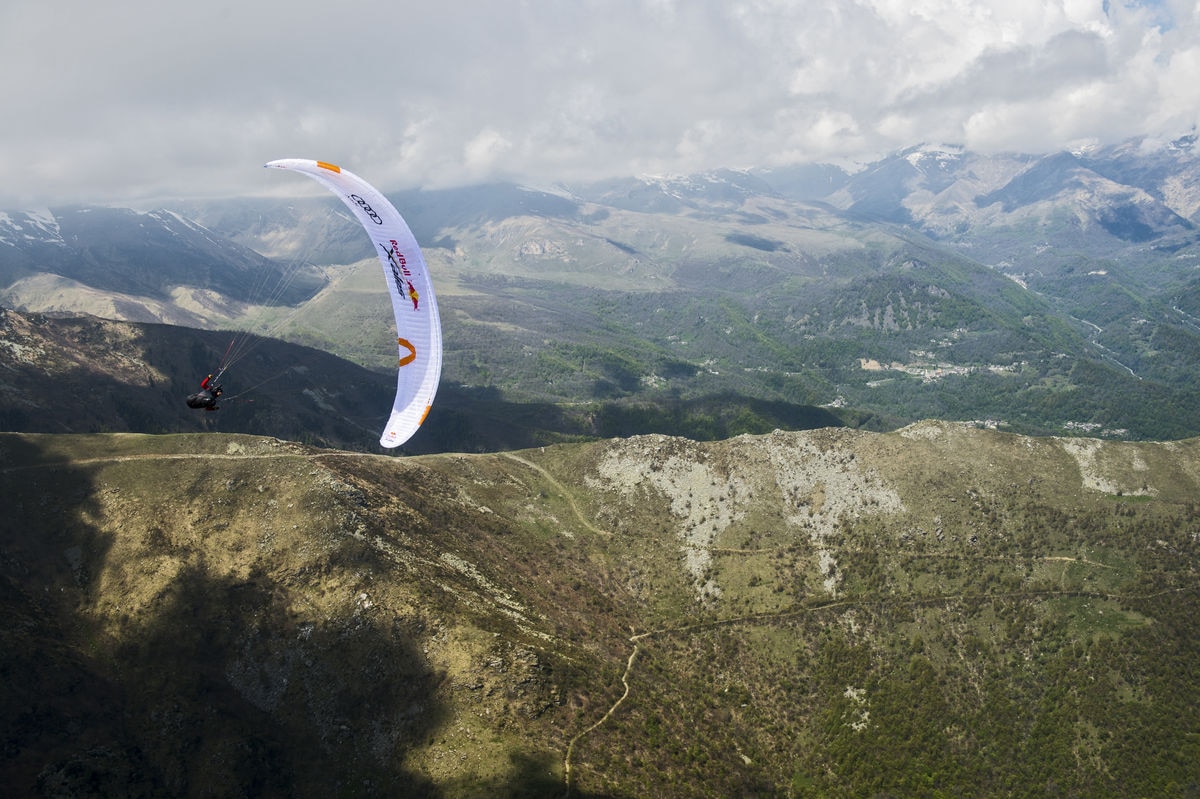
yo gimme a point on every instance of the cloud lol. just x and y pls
(153, 100)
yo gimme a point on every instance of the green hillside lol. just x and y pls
(937, 611)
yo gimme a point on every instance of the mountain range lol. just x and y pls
(1041, 294)
(802, 482)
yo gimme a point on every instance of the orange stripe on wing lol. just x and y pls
(330, 167)
(405, 360)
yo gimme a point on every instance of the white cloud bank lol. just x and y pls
(137, 100)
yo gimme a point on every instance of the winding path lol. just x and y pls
(562, 489)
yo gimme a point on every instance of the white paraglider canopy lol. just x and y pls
(418, 326)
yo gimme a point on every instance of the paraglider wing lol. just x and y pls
(418, 326)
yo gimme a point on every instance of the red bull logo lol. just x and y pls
(400, 273)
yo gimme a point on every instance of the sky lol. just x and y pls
(137, 102)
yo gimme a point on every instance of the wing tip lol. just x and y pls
(284, 163)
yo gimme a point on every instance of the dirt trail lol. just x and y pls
(604, 718)
(765, 618)
(177, 456)
(562, 489)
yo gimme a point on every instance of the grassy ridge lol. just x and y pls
(939, 611)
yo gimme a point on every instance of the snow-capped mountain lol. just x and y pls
(138, 265)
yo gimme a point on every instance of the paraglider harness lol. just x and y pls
(206, 397)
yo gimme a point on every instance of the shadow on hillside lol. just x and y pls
(218, 686)
(61, 719)
(471, 419)
(110, 377)
(250, 699)
(119, 378)
(276, 389)
(206, 684)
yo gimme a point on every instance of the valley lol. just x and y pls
(1073, 274)
(794, 482)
